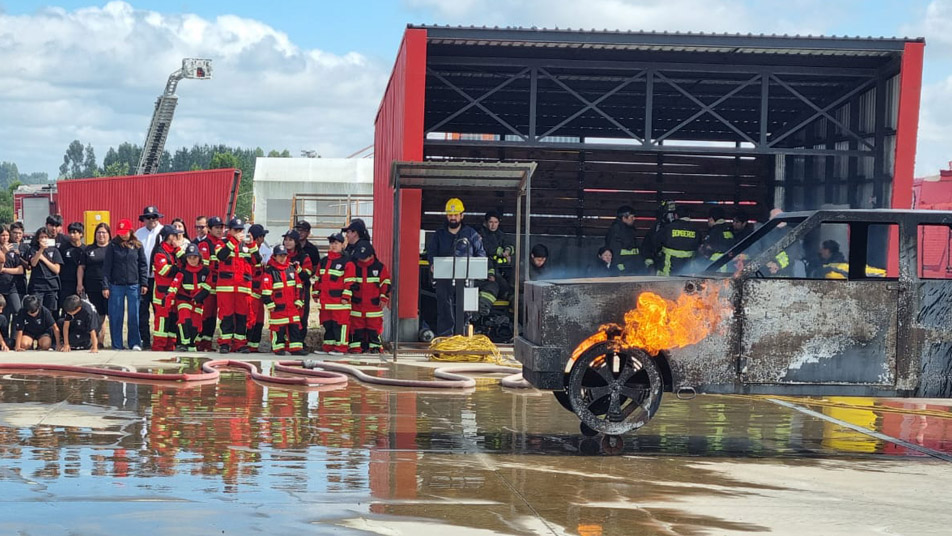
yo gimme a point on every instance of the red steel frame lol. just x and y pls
(399, 136)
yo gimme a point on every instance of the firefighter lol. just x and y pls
(741, 225)
(300, 260)
(371, 295)
(651, 245)
(453, 240)
(833, 263)
(256, 312)
(234, 289)
(335, 276)
(621, 239)
(187, 295)
(678, 244)
(165, 267)
(314, 256)
(282, 294)
(500, 251)
(720, 235)
(209, 248)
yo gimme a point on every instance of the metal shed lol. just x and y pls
(453, 179)
(744, 121)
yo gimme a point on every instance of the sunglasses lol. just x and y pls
(150, 217)
(201, 227)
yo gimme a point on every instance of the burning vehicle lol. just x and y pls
(776, 315)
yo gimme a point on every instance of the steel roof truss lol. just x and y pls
(709, 108)
(593, 105)
(475, 102)
(823, 111)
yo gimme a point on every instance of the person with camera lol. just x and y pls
(46, 263)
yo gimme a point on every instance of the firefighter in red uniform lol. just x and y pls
(234, 288)
(371, 295)
(283, 297)
(299, 259)
(256, 312)
(165, 266)
(332, 292)
(209, 247)
(189, 291)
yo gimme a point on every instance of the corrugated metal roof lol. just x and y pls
(665, 41)
(183, 195)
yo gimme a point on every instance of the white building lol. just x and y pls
(327, 192)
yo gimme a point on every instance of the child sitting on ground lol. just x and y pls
(34, 325)
(78, 325)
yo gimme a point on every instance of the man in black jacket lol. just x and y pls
(621, 239)
(453, 240)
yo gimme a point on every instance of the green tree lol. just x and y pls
(73, 160)
(8, 173)
(246, 188)
(90, 169)
(116, 169)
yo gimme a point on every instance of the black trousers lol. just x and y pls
(145, 316)
(14, 303)
(100, 303)
(49, 299)
(445, 308)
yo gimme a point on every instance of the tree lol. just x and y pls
(90, 169)
(116, 169)
(8, 173)
(73, 160)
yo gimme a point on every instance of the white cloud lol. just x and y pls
(93, 74)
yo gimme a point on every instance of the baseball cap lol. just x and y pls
(192, 250)
(279, 250)
(336, 237)
(236, 223)
(257, 230)
(293, 234)
(124, 226)
(214, 221)
(364, 251)
(169, 230)
(302, 224)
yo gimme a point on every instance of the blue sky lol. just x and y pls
(309, 74)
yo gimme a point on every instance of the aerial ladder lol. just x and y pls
(192, 68)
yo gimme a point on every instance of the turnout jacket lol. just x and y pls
(209, 247)
(282, 292)
(372, 287)
(190, 287)
(165, 267)
(236, 261)
(626, 255)
(336, 274)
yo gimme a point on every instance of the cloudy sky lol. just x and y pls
(309, 74)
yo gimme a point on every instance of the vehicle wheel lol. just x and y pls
(614, 390)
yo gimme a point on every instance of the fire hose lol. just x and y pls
(306, 373)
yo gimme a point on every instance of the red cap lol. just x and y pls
(124, 227)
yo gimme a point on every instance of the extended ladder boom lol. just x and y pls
(154, 146)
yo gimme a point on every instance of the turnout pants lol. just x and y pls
(189, 324)
(366, 327)
(255, 323)
(336, 324)
(287, 337)
(209, 320)
(233, 314)
(163, 329)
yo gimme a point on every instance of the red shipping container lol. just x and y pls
(185, 195)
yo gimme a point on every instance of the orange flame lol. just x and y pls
(657, 324)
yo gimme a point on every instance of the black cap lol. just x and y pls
(279, 250)
(357, 225)
(236, 223)
(293, 234)
(192, 250)
(363, 251)
(336, 237)
(54, 219)
(302, 224)
(257, 230)
(214, 221)
(150, 212)
(169, 230)
(75, 226)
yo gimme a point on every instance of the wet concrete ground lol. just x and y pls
(89, 456)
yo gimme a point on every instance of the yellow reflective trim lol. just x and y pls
(677, 253)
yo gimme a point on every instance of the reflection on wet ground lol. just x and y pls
(88, 456)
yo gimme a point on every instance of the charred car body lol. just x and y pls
(783, 326)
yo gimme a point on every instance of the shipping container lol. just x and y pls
(185, 195)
